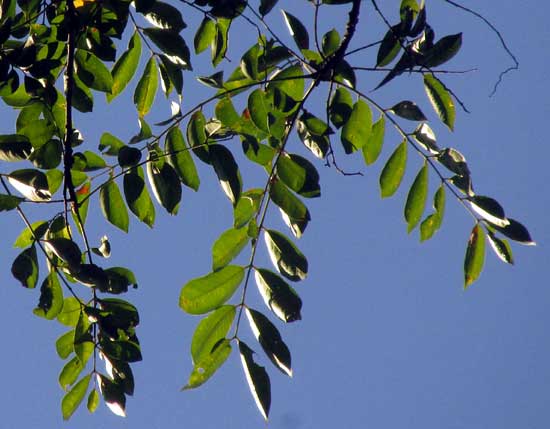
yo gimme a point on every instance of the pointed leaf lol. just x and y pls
(502, 248)
(25, 267)
(475, 256)
(373, 145)
(9, 202)
(172, 45)
(228, 246)
(112, 205)
(209, 364)
(146, 89)
(180, 158)
(517, 232)
(425, 137)
(247, 207)
(270, 339)
(165, 16)
(70, 312)
(113, 395)
(389, 48)
(227, 171)
(72, 400)
(137, 196)
(210, 331)
(341, 106)
(432, 223)
(416, 199)
(125, 67)
(14, 147)
(65, 344)
(32, 184)
(51, 298)
(299, 175)
(207, 293)
(441, 100)
(295, 214)
(278, 295)
(257, 378)
(165, 184)
(408, 110)
(297, 30)
(445, 49)
(93, 401)
(393, 171)
(65, 249)
(285, 256)
(205, 35)
(489, 209)
(357, 128)
(92, 72)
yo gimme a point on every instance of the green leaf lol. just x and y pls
(137, 196)
(165, 17)
(432, 223)
(517, 232)
(207, 293)
(70, 312)
(70, 372)
(290, 81)
(146, 89)
(408, 110)
(93, 401)
(180, 158)
(475, 256)
(330, 42)
(285, 256)
(112, 205)
(228, 246)
(210, 331)
(65, 344)
(209, 364)
(270, 339)
(83, 341)
(357, 128)
(51, 298)
(502, 248)
(205, 35)
(489, 209)
(25, 267)
(92, 72)
(172, 45)
(393, 171)
(82, 99)
(196, 136)
(295, 214)
(257, 378)
(445, 49)
(9, 202)
(219, 44)
(72, 400)
(125, 67)
(416, 199)
(165, 184)
(259, 108)
(14, 147)
(373, 145)
(299, 175)
(227, 171)
(441, 100)
(111, 143)
(340, 107)
(297, 30)
(26, 238)
(48, 155)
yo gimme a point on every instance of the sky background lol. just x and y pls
(389, 338)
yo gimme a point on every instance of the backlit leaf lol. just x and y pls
(357, 128)
(51, 297)
(207, 293)
(432, 223)
(125, 67)
(340, 107)
(441, 99)
(25, 267)
(137, 196)
(180, 158)
(416, 199)
(294, 212)
(475, 256)
(373, 145)
(72, 400)
(112, 205)
(210, 331)
(393, 171)
(146, 89)
(209, 364)
(205, 35)
(445, 49)
(228, 246)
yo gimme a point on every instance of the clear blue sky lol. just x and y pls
(388, 339)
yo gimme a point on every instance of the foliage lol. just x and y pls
(57, 57)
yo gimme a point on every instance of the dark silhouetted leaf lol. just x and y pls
(408, 110)
(25, 268)
(517, 232)
(257, 378)
(278, 295)
(137, 196)
(227, 171)
(502, 248)
(489, 209)
(297, 30)
(285, 256)
(51, 298)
